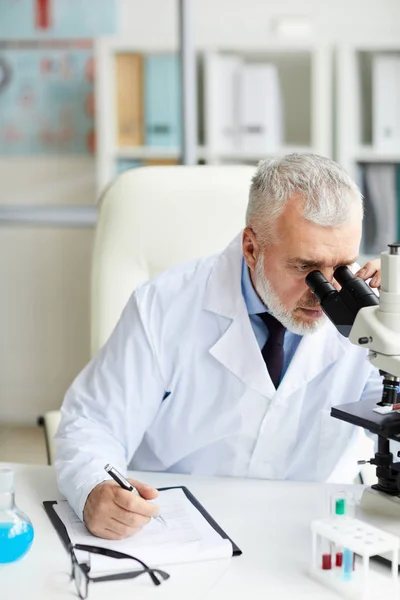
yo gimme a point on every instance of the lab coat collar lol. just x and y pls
(237, 349)
(223, 294)
(224, 297)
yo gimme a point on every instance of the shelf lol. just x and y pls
(247, 156)
(368, 154)
(148, 152)
(305, 76)
(54, 216)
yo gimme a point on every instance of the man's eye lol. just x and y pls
(303, 268)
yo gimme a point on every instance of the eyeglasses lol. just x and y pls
(80, 572)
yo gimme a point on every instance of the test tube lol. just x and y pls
(347, 568)
(326, 551)
(337, 503)
(326, 561)
(338, 509)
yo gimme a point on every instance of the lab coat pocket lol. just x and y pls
(335, 437)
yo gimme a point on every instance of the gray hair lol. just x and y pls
(329, 194)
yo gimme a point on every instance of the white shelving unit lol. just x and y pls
(354, 97)
(305, 78)
(355, 146)
(305, 73)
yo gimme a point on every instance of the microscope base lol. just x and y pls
(379, 503)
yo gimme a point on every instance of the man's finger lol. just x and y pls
(375, 281)
(123, 530)
(144, 489)
(366, 272)
(369, 269)
(133, 503)
(128, 518)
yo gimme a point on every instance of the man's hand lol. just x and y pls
(371, 269)
(114, 513)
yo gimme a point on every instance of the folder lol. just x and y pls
(381, 206)
(398, 200)
(222, 81)
(125, 164)
(129, 99)
(162, 161)
(369, 221)
(386, 103)
(162, 100)
(61, 528)
(260, 109)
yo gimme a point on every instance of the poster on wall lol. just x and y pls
(46, 98)
(41, 19)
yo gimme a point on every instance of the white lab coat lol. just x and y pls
(187, 332)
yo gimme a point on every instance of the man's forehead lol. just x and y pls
(323, 244)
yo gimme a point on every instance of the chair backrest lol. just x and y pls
(153, 218)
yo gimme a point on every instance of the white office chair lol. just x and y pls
(151, 219)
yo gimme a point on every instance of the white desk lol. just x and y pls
(268, 520)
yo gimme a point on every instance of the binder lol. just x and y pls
(62, 532)
(129, 99)
(381, 206)
(162, 161)
(369, 221)
(386, 103)
(398, 200)
(260, 109)
(222, 81)
(125, 164)
(162, 100)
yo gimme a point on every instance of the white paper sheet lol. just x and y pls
(187, 537)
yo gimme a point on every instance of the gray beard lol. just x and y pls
(276, 308)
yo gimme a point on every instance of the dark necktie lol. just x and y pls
(273, 348)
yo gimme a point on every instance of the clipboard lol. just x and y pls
(63, 535)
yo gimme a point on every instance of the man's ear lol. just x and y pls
(250, 247)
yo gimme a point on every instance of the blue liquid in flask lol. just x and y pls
(16, 531)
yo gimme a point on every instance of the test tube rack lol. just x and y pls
(365, 541)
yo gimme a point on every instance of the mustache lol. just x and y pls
(311, 303)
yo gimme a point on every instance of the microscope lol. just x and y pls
(373, 323)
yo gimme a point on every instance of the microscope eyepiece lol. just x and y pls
(355, 291)
(319, 285)
(341, 307)
(343, 275)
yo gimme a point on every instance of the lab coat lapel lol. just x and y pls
(237, 348)
(314, 354)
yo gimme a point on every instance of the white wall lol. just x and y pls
(44, 308)
(44, 273)
(229, 22)
(44, 300)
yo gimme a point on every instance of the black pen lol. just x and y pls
(126, 485)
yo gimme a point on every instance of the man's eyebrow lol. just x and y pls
(298, 260)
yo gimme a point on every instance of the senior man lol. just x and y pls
(226, 365)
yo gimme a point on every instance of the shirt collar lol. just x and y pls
(253, 302)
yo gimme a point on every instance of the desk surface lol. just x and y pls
(269, 520)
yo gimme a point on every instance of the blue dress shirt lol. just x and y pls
(254, 306)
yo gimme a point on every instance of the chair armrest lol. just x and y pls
(50, 422)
